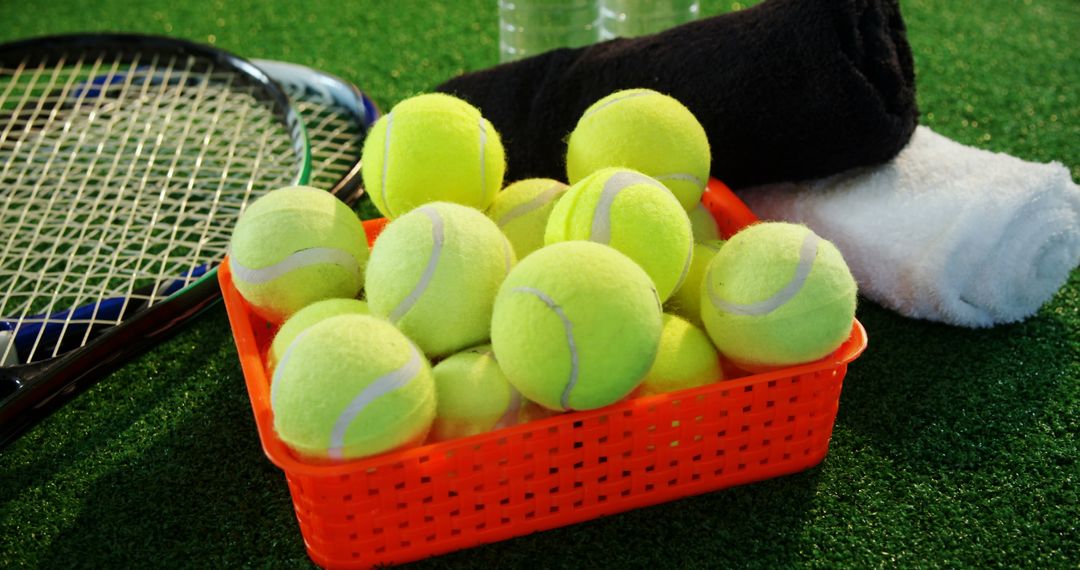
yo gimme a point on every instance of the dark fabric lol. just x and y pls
(786, 90)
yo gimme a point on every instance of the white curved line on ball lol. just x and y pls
(684, 176)
(483, 143)
(386, 161)
(437, 237)
(601, 222)
(508, 251)
(296, 260)
(539, 201)
(377, 389)
(689, 258)
(274, 379)
(807, 254)
(511, 416)
(569, 328)
(616, 100)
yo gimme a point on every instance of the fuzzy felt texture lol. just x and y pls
(758, 263)
(473, 395)
(304, 318)
(440, 297)
(686, 300)
(786, 90)
(703, 225)
(328, 366)
(644, 221)
(290, 222)
(522, 209)
(648, 132)
(945, 232)
(576, 326)
(686, 359)
(431, 148)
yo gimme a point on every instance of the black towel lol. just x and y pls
(786, 90)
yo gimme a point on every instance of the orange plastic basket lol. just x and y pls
(428, 500)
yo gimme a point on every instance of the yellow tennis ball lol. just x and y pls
(434, 273)
(576, 326)
(432, 148)
(295, 246)
(686, 301)
(473, 395)
(351, 386)
(632, 213)
(308, 316)
(647, 131)
(703, 224)
(776, 295)
(686, 359)
(521, 211)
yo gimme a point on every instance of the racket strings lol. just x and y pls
(337, 141)
(122, 177)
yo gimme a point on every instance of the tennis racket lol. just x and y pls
(337, 116)
(124, 162)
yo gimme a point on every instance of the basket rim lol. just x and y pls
(281, 456)
(731, 213)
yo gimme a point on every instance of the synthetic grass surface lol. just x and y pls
(952, 447)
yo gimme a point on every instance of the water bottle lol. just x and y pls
(629, 18)
(529, 27)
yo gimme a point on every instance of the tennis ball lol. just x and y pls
(432, 148)
(306, 317)
(576, 326)
(521, 211)
(473, 395)
(686, 301)
(434, 272)
(647, 131)
(703, 224)
(776, 295)
(351, 386)
(634, 214)
(686, 359)
(295, 246)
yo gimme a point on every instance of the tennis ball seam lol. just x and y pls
(379, 387)
(510, 417)
(483, 172)
(600, 231)
(601, 223)
(539, 201)
(438, 238)
(684, 176)
(568, 326)
(386, 163)
(807, 256)
(296, 260)
(619, 99)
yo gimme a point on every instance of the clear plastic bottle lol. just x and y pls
(529, 27)
(629, 18)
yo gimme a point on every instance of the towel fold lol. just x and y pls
(944, 232)
(786, 90)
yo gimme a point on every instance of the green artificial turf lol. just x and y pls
(952, 447)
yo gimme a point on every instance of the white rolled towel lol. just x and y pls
(944, 232)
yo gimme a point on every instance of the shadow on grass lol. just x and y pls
(159, 465)
(123, 402)
(757, 524)
(203, 494)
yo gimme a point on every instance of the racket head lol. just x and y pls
(337, 115)
(126, 160)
